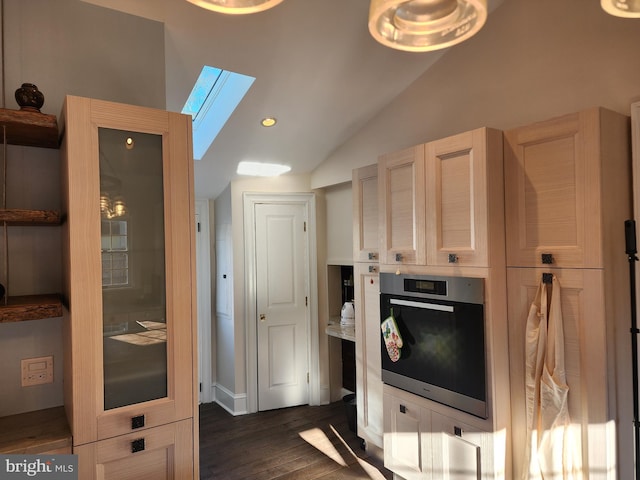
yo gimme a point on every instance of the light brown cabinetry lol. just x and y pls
(401, 204)
(167, 454)
(367, 305)
(130, 328)
(364, 187)
(407, 439)
(561, 177)
(585, 349)
(367, 327)
(444, 202)
(464, 193)
(567, 195)
(421, 442)
(438, 202)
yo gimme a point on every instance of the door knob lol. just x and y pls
(263, 317)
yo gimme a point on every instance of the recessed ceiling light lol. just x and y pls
(268, 122)
(258, 169)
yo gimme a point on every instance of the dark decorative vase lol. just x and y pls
(29, 97)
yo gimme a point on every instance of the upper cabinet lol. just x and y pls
(441, 203)
(555, 174)
(365, 214)
(130, 326)
(464, 194)
(401, 200)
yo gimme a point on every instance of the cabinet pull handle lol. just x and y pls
(403, 409)
(453, 258)
(398, 257)
(137, 422)
(137, 445)
(373, 255)
(547, 258)
(372, 269)
(457, 431)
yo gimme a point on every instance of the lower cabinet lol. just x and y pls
(154, 454)
(368, 335)
(588, 317)
(421, 442)
(407, 443)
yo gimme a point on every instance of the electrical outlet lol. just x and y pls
(37, 370)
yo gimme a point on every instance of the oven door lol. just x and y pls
(443, 350)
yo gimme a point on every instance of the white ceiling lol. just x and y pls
(317, 69)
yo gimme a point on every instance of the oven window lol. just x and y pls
(440, 348)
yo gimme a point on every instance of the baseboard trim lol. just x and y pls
(235, 404)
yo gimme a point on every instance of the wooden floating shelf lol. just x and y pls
(41, 431)
(30, 307)
(18, 217)
(31, 129)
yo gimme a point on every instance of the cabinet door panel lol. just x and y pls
(402, 207)
(368, 371)
(464, 185)
(365, 214)
(130, 285)
(552, 189)
(407, 442)
(585, 353)
(458, 450)
(162, 453)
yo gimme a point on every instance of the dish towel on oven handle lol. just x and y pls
(392, 338)
(553, 449)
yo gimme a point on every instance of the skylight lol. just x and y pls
(213, 99)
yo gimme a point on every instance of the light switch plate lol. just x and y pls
(36, 371)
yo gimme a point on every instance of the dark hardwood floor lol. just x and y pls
(292, 443)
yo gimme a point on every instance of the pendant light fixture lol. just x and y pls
(425, 25)
(622, 8)
(235, 7)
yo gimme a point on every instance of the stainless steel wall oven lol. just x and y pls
(439, 323)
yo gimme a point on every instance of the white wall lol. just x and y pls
(532, 60)
(64, 47)
(224, 349)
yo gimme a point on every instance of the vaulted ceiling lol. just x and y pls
(317, 70)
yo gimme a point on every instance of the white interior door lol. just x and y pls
(281, 305)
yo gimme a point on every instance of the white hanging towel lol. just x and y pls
(553, 446)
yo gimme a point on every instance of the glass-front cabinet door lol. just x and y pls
(132, 244)
(129, 262)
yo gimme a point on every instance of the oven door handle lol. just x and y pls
(424, 305)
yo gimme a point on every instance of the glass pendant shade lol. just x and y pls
(235, 7)
(622, 8)
(425, 25)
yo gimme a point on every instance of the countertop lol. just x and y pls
(345, 332)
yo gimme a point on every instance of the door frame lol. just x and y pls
(203, 289)
(308, 200)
